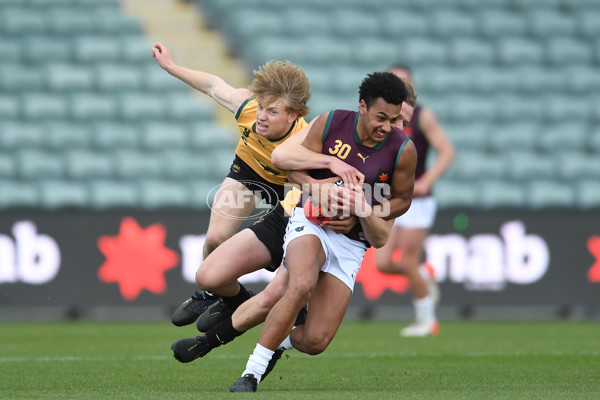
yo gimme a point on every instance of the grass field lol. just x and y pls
(367, 360)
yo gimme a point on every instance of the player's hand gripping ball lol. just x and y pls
(314, 213)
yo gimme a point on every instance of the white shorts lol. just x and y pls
(421, 214)
(343, 255)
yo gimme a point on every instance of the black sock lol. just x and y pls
(222, 333)
(235, 301)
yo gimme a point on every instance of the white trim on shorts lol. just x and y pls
(343, 255)
(420, 215)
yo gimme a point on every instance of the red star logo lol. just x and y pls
(383, 177)
(374, 283)
(593, 245)
(136, 259)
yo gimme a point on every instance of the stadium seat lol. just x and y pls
(469, 136)
(44, 106)
(471, 108)
(93, 49)
(491, 79)
(420, 51)
(133, 165)
(68, 77)
(113, 78)
(568, 51)
(588, 193)
(564, 136)
(63, 135)
(443, 80)
(586, 21)
(17, 134)
(11, 51)
(154, 78)
(505, 138)
(163, 194)
(546, 23)
(549, 194)
(526, 5)
(594, 140)
(183, 107)
(164, 135)
(474, 165)
(202, 192)
(8, 166)
(37, 164)
(136, 49)
(302, 20)
(16, 194)
(578, 165)
(18, 21)
(395, 23)
(576, 107)
(136, 106)
(184, 164)
(456, 194)
(57, 194)
(494, 23)
(20, 78)
(516, 108)
(447, 23)
(44, 49)
(373, 52)
(112, 22)
(9, 107)
(501, 194)
(527, 166)
(540, 79)
(519, 51)
(207, 137)
(470, 51)
(582, 79)
(352, 23)
(105, 194)
(85, 164)
(115, 135)
(89, 106)
(68, 21)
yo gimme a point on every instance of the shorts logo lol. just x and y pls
(231, 199)
(299, 229)
(235, 168)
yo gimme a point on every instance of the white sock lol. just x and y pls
(258, 361)
(287, 343)
(424, 309)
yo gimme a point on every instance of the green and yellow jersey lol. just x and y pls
(256, 150)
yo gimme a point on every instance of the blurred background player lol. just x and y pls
(267, 113)
(411, 228)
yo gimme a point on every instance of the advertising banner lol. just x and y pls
(85, 260)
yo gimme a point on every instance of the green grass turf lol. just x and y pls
(366, 360)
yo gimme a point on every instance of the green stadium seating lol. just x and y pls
(397, 21)
(473, 165)
(501, 194)
(114, 77)
(517, 50)
(68, 77)
(586, 21)
(582, 80)
(163, 135)
(564, 136)
(57, 194)
(8, 166)
(568, 51)
(527, 166)
(421, 51)
(18, 194)
(545, 23)
(62, 135)
(35, 164)
(96, 48)
(113, 135)
(11, 50)
(507, 138)
(86, 164)
(576, 165)
(135, 106)
(538, 80)
(16, 134)
(19, 78)
(107, 194)
(135, 164)
(155, 194)
(202, 192)
(495, 23)
(472, 137)
(90, 106)
(19, 21)
(207, 136)
(352, 23)
(542, 194)
(182, 107)
(451, 23)
(301, 20)
(44, 106)
(456, 194)
(519, 108)
(469, 51)
(45, 49)
(588, 193)
(185, 164)
(9, 107)
(69, 21)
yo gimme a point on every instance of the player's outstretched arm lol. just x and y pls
(209, 84)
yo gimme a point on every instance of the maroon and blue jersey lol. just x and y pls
(377, 163)
(415, 133)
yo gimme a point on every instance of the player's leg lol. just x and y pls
(241, 254)
(233, 202)
(384, 256)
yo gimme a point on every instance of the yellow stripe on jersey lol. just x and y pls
(256, 150)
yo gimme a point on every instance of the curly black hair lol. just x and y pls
(385, 85)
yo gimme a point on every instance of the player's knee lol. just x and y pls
(300, 290)
(270, 296)
(205, 279)
(316, 343)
